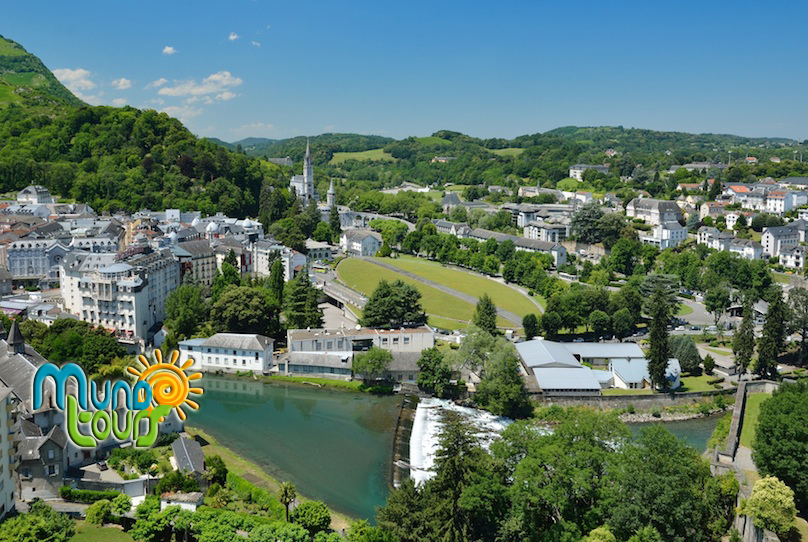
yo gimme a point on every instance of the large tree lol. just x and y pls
(334, 222)
(530, 323)
(684, 349)
(393, 304)
(40, 523)
(185, 309)
(660, 481)
(301, 303)
(798, 305)
(659, 350)
(501, 389)
(716, 300)
(743, 342)
(771, 506)
(244, 310)
(373, 364)
(276, 282)
(485, 316)
(585, 223)
(781, 439)
(772, 340)
(434, 373)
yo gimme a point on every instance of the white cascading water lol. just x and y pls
(427, 426)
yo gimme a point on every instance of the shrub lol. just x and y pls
(630, 408)
(313, 516)
(86, 496)
(166, 439)
(99, 512)
(704, 409)
(656, 412)
(121, 504)
(716, 380)
(771, 505)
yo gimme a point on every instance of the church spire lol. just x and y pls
(308, 152)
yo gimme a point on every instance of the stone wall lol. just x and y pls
(639, 401)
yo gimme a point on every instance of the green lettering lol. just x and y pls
(154, 424)
(127, 430)
(97, 433)
(73, 419)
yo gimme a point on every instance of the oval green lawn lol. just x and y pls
(363, 276)
(503, 296)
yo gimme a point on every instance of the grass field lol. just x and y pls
(94, 533)
(6, 49)
(376, 154)
(503, 296)
(432, 140)
(7, 94)
(719, 351)
(455, 187)
(363, 276)
(753, 402)
(23, 79)
(510, 151)
(684, 310)
(696, 383)
(782, 278)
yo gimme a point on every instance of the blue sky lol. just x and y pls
(490, 69)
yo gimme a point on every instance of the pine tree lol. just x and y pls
(485, 317)
(334, 222)
(302, 310)
(773, 338)
(743, 344)
(277, 281)
(659, 351)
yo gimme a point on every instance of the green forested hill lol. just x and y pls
(113, 158)
(25, 80)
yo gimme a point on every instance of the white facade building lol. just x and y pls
(653, 211)
(665, 235)
(125, 292)
(777, 239)
(35, 195)
(229, 352)
(360, 242)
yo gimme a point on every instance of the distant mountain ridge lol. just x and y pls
(24, 79)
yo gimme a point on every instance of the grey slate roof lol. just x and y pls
(189, 455)
(567, 378)
(239, 341)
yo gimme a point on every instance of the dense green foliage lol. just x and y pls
(781, 439)
(393, 304)
(585, 478)
(40, 523)
(485, 314)
(69, 340)
(373, 364)
(771, 505)
(435, 374)
(86, 496)
(313, 516)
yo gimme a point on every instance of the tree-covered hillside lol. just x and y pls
(25, 80)
(323, 146)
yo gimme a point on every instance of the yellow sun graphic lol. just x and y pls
(170, 386)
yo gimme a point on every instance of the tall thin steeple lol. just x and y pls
(308, 175)
(15, 339)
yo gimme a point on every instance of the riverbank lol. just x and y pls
(251, 472)
(354, 386)
(667, 416)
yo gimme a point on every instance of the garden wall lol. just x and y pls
(639, 401)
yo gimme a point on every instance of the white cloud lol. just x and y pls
(157, 83)
(255, 43)
(78, 79)
(119, 102)
(215, 83)
(182, 112)
(122, 84)
(226, 95)
(169, 50)
(233, 36)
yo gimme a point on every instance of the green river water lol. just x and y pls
(335, 446)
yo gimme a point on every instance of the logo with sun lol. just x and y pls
(169, 383)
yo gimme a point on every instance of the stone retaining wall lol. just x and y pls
(639, 401)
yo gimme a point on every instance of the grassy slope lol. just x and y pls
(432, 140)
(510, 151)
(504, 297)
(753, 402)
(375, 154)
(363, 276)
(86, 532)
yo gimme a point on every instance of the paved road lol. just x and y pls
(508, 315)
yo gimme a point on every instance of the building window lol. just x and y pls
(395, 340)
(50, 454)
(406, 340)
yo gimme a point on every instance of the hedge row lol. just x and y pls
(86, 496)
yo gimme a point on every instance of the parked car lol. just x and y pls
(577, 340)
(695, 328)
(711, 328)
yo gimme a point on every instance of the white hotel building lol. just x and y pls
(229, 352)
(125, 293)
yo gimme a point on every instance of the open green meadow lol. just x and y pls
(445, 310)
(86, 532)
(375, 154)
(510, 151)
(7, 49)
(23, 79)
(750, 417)
(503, 296)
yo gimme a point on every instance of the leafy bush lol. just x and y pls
(86, 496)
(656, 412)
(99, 512)
(167, 439)
(313, 516)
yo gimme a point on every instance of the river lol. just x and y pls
(335, 446)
